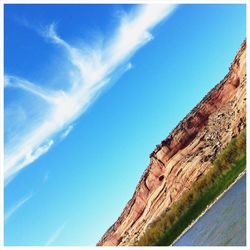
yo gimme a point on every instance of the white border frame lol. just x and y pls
(2, 110)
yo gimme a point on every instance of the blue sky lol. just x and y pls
(89, 91)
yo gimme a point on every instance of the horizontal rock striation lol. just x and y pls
(185, 155)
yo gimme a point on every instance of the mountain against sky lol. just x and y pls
(89, 91)
(185, 155)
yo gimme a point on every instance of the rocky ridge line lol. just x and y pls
(185, 155)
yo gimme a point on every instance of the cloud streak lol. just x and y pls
(55, 235)
(16, 82)
(92, 69)
(15, 208)
(66, 132)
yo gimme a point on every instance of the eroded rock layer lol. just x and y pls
(185, 155)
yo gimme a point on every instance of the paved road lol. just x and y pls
(224, 224)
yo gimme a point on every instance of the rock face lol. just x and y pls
(185, 155)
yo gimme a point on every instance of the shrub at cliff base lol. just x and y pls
(229, 163)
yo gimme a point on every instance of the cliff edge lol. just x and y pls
(185, 155)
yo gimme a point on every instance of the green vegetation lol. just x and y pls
(226, 168)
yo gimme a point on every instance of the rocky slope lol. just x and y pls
(185, 155)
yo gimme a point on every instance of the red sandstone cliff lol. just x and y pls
(185, 154)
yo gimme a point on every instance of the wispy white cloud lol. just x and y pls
(92, 69)
(55, 235)
(8, 214)
(17, 82)
(24, 157)
(66, 132)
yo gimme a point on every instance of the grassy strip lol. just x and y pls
(226, 168)
(197, 208)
